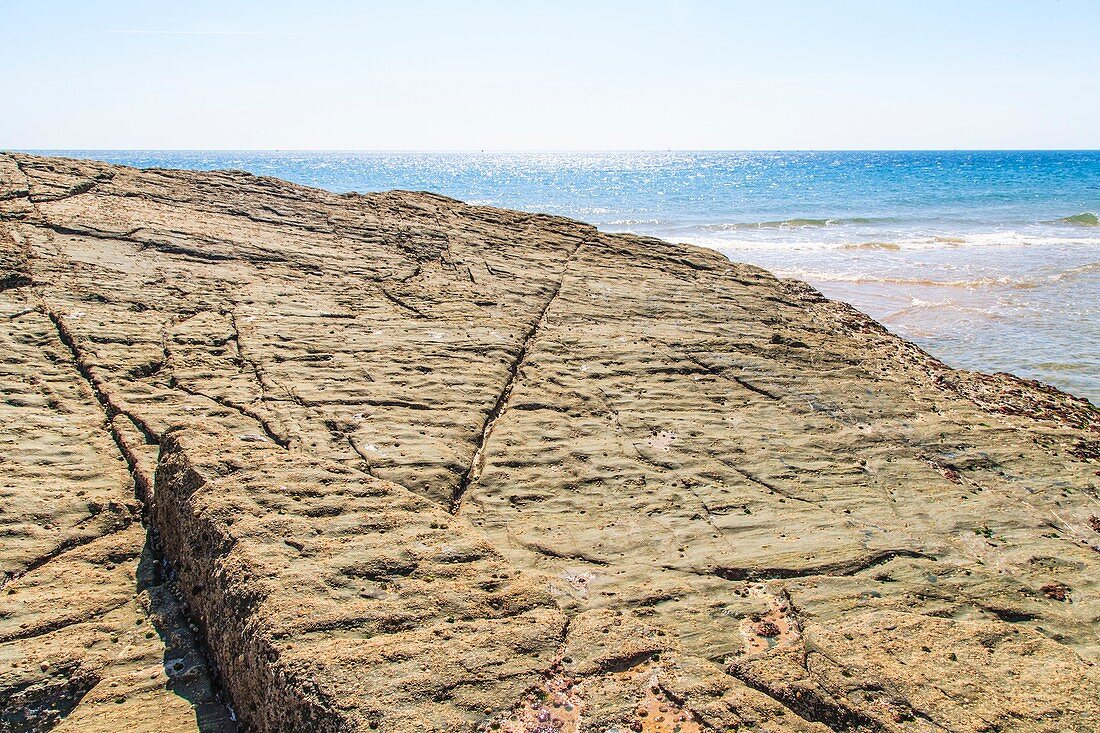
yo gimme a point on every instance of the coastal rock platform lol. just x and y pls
(280, 459)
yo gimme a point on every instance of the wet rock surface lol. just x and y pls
(392, 462)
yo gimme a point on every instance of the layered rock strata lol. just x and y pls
(392, 462)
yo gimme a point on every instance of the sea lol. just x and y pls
(989, 260)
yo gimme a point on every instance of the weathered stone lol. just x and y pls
(429, 466)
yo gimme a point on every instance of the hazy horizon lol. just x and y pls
(553, 150)
(660, 75)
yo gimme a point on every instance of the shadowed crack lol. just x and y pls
(14, 280)
(810, 705)
(142, 488)
(372, 402)
(548, 551)
(110, 409)
(684, 705)
(721, 373)
(279, 437)
(257, 371)
(274, 435)
(368, 466)
(839, 568)
(473, 471)
(400, 303)
(724, 374)
(80, 188)
(768, 485)
(48, 628)
(178, 249)
(73, 543)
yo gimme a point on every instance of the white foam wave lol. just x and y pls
(634, 222)
(976, 239)
(867, 279)
(1073, 272)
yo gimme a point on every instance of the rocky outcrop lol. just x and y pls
(392, 462)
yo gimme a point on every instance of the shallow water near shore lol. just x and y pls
(988, 260)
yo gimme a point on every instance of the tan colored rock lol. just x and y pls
(335, 600)
(430, 466)
(90, 639)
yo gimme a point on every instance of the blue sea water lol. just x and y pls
(989, 260)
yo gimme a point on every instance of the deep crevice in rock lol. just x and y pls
(473, 470)
(812, 706)
(142, 483)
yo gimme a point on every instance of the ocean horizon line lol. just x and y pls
(551, 150)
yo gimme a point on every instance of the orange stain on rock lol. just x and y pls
(554, 708)
(776, 627)
(557, 705)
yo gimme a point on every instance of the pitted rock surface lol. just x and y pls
(393, 462)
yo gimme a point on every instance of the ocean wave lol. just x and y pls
(1073, 272)
(919, 304)
(796, 223)
(1084, 219)
(1005, 281)
(890, 246)
(731, 243)
(911, 243)
(635, 222)
(864, 279)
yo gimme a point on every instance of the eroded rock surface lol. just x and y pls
(421, 465)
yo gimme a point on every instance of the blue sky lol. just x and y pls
(681, 74)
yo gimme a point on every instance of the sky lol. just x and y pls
(669, 74)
